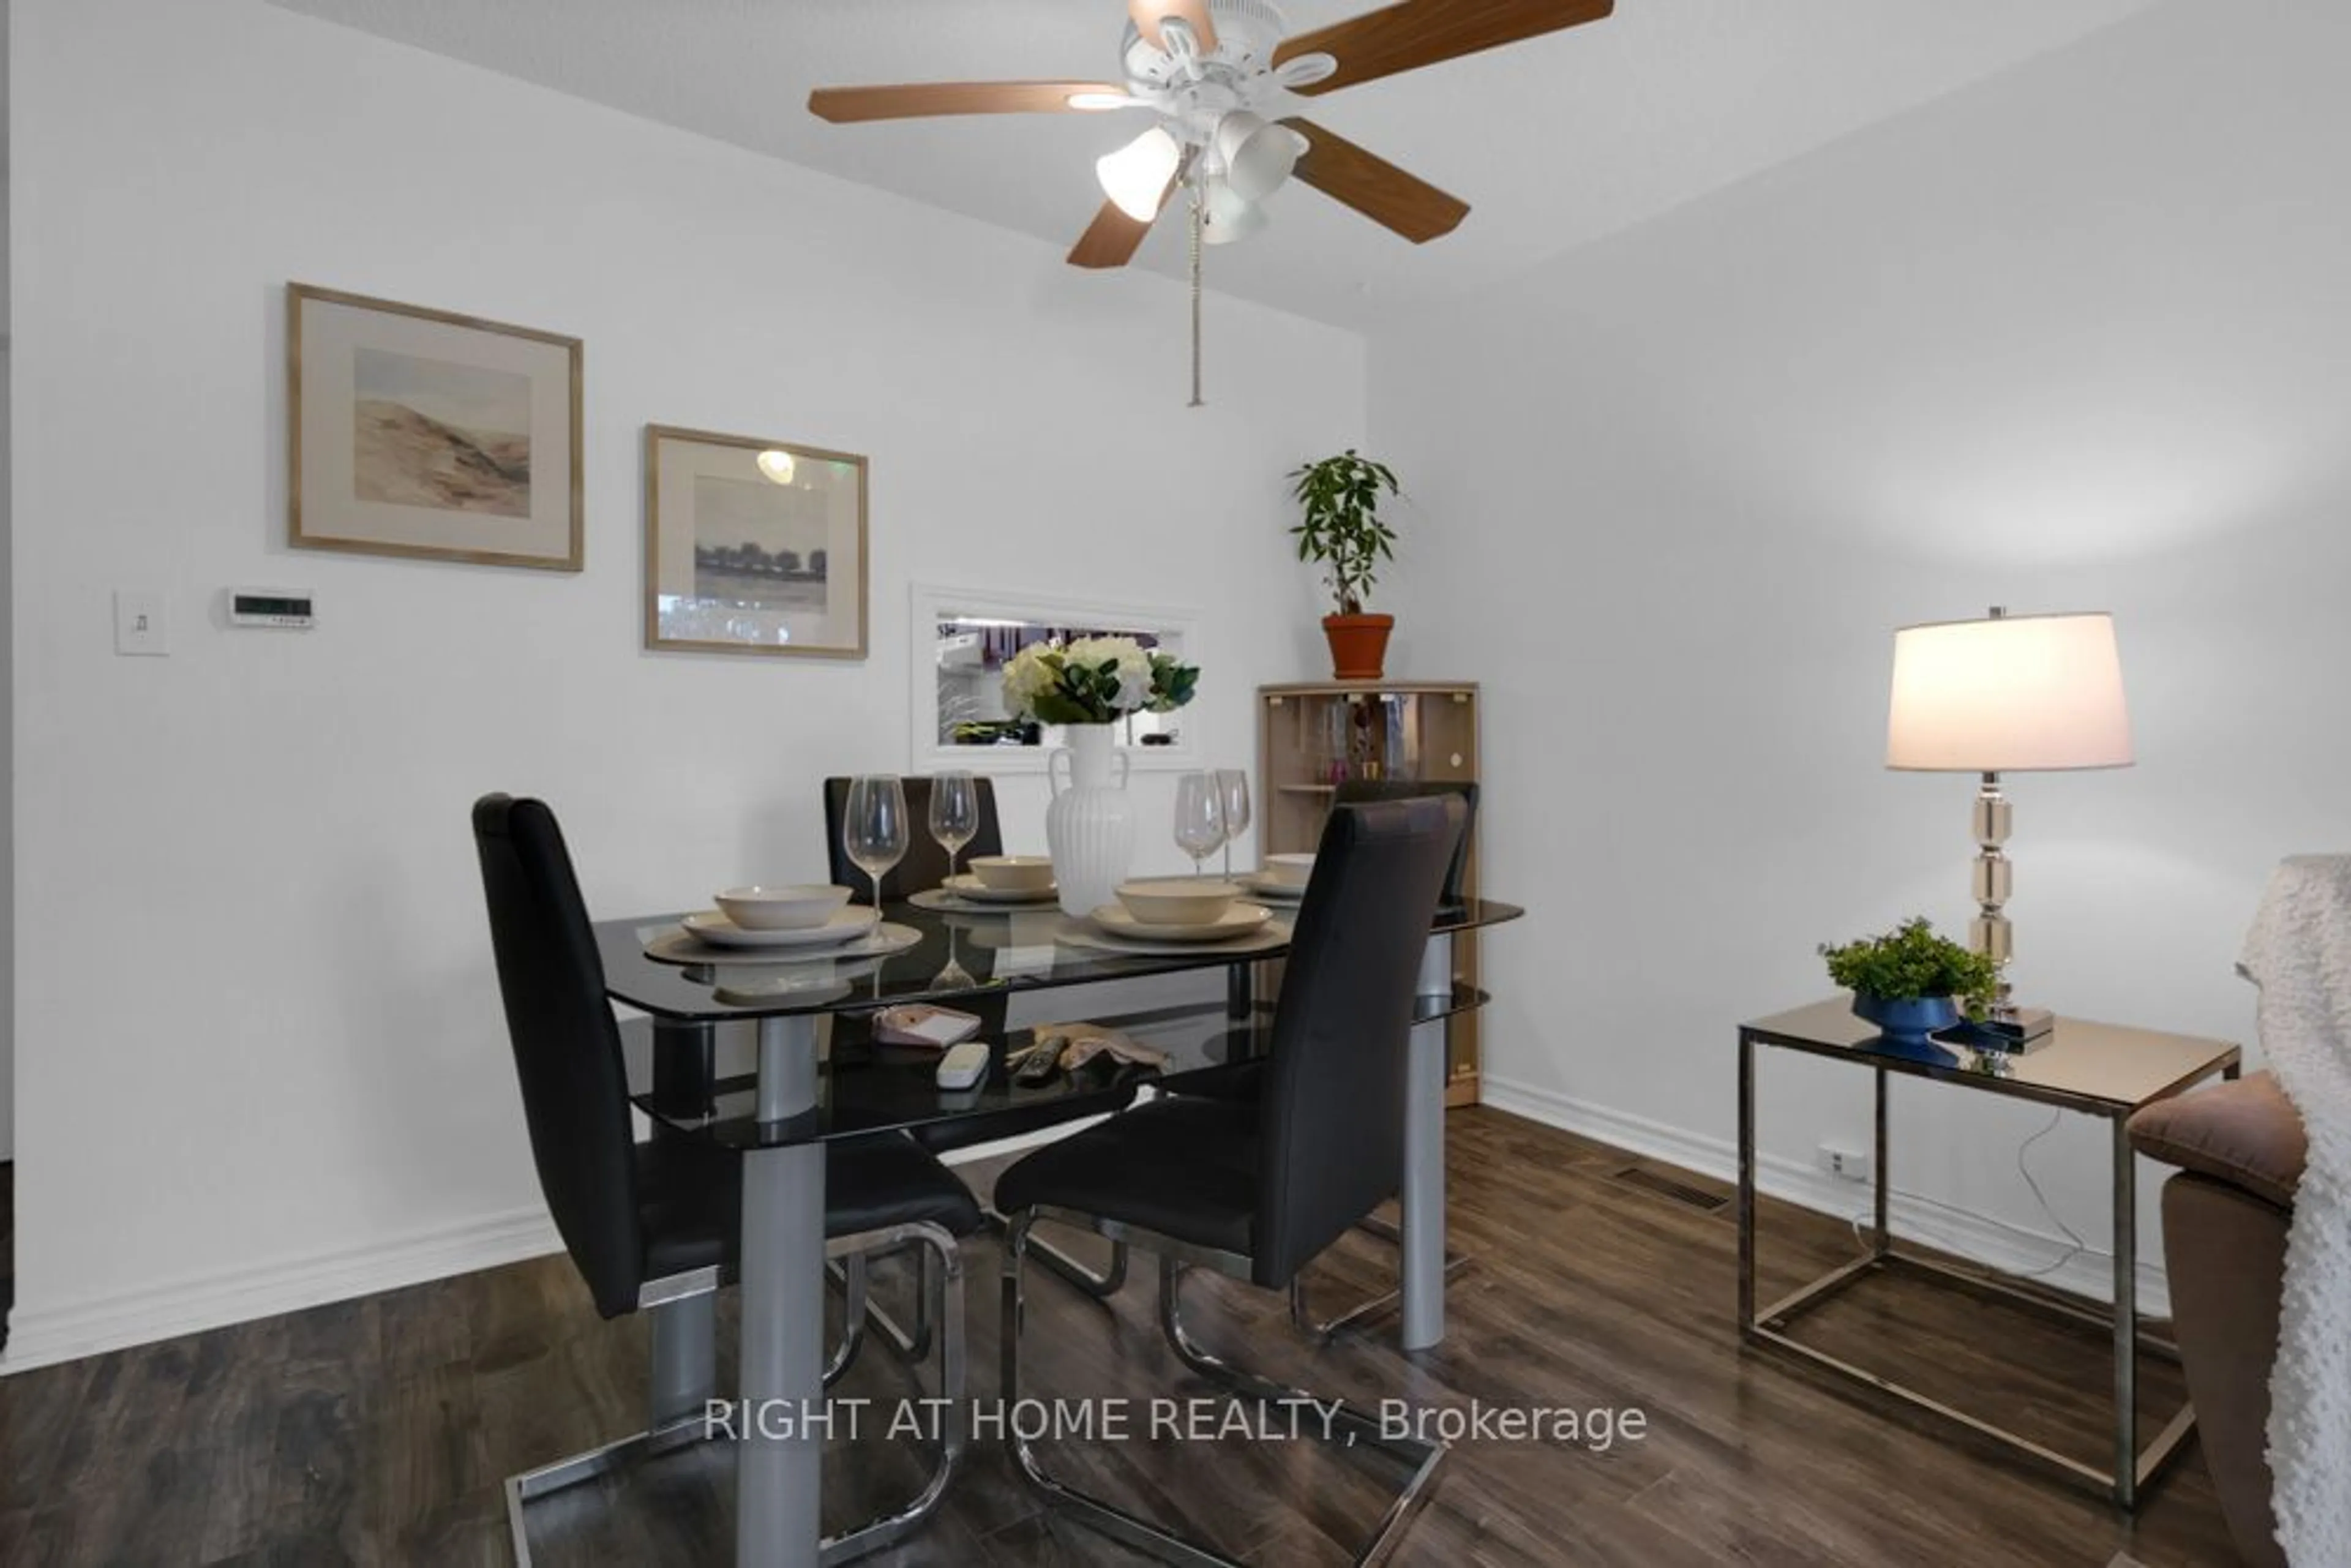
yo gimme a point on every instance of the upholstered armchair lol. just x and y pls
(2239, 1148)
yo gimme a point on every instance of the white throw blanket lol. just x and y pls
(2299, 954)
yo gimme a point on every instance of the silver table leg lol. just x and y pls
(1747, 1185)
(1881, 1169)
(778, 1461)
(1422, 1265)
(2126, 1319)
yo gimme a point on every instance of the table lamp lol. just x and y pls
(2010, 693)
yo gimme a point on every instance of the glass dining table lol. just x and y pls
(773, 1058)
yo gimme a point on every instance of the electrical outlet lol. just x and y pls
(1847, 1165)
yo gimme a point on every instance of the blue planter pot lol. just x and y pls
(1907, 1023)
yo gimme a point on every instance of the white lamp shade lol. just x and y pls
(777, 464)
(1135, 176)
(1229, 217)
(2013, 694)
(1258, 156)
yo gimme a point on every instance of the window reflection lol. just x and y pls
(971, 652)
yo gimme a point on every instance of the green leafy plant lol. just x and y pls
(1342, 528)
(1910, 962)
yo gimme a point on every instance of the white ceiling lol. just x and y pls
(1553, 143)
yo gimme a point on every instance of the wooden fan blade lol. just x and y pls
(1113, 238)
(1374, 186)
(1148, 15)
(848, 105)
(1416, 33)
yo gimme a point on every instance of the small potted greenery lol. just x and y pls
(1910, 982)
(1340, 528)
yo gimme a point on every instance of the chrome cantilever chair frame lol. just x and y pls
(1360, 1430)
(678, 1413)
(913, 1344)
(1326, 1330)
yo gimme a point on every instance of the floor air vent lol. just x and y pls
(1666, 1186)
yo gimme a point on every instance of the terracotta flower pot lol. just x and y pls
(1359, 645)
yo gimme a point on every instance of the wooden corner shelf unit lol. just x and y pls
(1315, 735)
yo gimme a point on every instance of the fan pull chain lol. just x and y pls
(1199, 215)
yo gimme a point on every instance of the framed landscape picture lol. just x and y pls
(419, 433)
(752, 547)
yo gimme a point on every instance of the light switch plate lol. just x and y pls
(139, 623)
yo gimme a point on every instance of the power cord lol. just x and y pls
(2078, 1247)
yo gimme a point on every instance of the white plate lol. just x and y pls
(675, 945)
(720, 932)
(966, 885)
(1259, 885)
(1237, 921)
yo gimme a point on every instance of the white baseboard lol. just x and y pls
(47, 1335)
(66, 1331)
(2008, 1247)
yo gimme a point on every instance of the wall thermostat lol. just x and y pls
(275, 607)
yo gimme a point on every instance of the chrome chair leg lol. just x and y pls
(1141, 1533)
(943, 1274)
(1361, 1430)
(908, 1345)
(1101, 1286)
(939, 1246)
(852, 1273)
(683, 1373)
(1363, 1312)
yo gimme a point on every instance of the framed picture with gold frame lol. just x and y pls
(429, 434)
(754, 547)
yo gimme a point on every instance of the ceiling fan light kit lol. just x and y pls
(1135, 177)
(1222, 76)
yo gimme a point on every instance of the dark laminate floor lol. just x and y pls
(375, 1431)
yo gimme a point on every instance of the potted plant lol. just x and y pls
(1910, 982)
(1341, 529)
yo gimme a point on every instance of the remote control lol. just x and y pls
(963, 1066)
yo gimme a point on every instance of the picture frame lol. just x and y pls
(755, 547)
(431, 435)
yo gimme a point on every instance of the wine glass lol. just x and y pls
(1199, 817)
(1232, 784)
(954, 813)
(875, 832)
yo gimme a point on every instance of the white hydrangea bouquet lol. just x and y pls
(1094, 680)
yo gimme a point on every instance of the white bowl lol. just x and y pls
(1289, 871)
(1013, 874)
(793, 908)
(1178, 902)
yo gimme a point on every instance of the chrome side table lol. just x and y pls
(2094, 1069)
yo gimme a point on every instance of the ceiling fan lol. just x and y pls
(1220, 76)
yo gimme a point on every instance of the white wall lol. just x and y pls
(2075, 338)
(260, 1058)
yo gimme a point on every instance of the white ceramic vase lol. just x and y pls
(1090, 826)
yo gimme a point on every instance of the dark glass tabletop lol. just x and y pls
(956, 957)
(975, 962)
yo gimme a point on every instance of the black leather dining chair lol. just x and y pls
(655, 1227)
(1257, 1187)
(1356, 791)
(925, 865)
